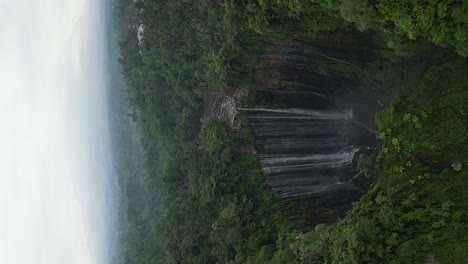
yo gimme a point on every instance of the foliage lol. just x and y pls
(441, 22)
(419, 204)
(457, 166)
(217, 206)
(427, 103)
(366, 164)
(214, 215)
(282, 18)
(444, 22)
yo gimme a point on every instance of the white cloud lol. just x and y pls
(46, 49)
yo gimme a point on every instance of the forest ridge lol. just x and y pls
(206, 200)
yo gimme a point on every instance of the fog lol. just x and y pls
(58, 189)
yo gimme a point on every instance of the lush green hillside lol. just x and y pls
(420, 202)
(216, 204)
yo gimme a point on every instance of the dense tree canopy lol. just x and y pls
(216, 206)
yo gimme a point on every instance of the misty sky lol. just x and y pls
(57, 190)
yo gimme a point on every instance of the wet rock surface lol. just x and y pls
(313, 113)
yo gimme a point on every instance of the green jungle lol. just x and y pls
(206, 199)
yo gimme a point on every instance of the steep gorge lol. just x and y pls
(312, 113)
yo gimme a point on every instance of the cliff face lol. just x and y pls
(313, 111)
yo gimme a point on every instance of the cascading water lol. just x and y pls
(304, 154)
(306, 128)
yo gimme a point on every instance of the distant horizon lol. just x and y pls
(58, 189)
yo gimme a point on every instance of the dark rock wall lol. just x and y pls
(313, 111)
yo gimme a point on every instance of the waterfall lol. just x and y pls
(307, 130)
(303, 153)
